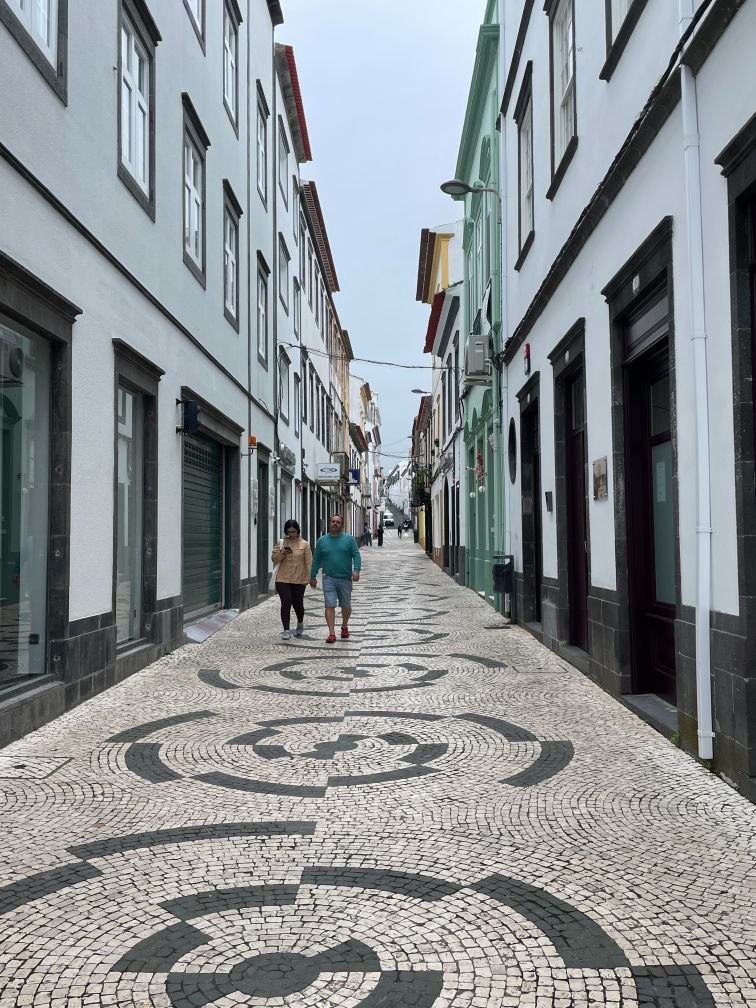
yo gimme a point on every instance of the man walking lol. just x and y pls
(339, 556)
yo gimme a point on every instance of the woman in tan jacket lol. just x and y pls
(294, 556)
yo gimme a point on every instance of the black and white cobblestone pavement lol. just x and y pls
(429, 814)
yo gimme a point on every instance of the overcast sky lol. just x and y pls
(385, 89)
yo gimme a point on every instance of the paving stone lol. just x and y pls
(432, 813)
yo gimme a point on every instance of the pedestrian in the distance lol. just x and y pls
(294, 557)
(380, 535)
(339, 556)
(399, 530)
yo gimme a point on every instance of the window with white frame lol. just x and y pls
(296, 298)
(302, 252)
(318, 299)
(262, 147)
(295, 208)
(304, 391)
(312, 398)
(196, 10)
(40, 19)
(283, 271)
(262, 317)
(194, 202)
(524, 118)
(136, 90)
(283, 387)
(232, 211)
(309, 272)
(297, 405)
(283, 161)
(563, 78)
(617, 13)
(479, 258)
(231, 62)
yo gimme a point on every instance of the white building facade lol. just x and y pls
(629, 173)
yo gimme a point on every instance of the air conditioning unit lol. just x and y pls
(477, 370)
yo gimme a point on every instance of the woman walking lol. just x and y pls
(294, 557)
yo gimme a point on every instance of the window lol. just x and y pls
(44, 24)
(283, 272)
(262, 145)
(196, 10)
(262, 317)
(39, 17)
(195, 145)
(136, 113)
(231, 62)
(302, 252)
(284, 365)
(621, 18)
(523, 116)
(304, 392)
(297, 405)
(283, 161)
(318, 299)
(297, 308)
(309, 272)
(232, 211)
(312, 398)
(562, 80)
(295, 209)
(617, 13)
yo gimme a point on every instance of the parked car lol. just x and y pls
(388, 521)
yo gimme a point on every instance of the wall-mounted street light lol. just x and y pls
(419, 391)
(456, 188)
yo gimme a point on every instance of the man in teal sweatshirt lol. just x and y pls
(339, 556)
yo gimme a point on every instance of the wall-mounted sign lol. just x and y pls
(600, 482)
(327, 472)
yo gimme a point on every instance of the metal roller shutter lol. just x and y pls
(203, 524)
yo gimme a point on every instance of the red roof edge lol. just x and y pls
(298, 101)
(314, 212)
(435, 315)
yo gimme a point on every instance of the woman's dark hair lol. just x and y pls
(292, 524)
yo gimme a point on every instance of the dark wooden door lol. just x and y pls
(263, 520)
(532, 542)
(577, 534)
(203, 525)
(651, 531)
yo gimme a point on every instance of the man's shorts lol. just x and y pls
(337, 591)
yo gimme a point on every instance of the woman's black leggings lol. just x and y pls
(291, 595)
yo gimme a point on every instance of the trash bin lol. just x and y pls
(503, 575)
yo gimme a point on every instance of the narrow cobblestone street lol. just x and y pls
(432, 813)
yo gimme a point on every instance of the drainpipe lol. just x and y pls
(698, 338)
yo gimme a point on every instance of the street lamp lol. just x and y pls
(458, 189)
(419, 391)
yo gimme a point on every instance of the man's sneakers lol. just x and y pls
(344, 632)
(331, 638)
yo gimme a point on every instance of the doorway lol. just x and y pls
(263, 525)
(577, 525)
(652, 548)
(532, 539)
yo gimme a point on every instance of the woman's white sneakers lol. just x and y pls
(300, 630)
(286, 634)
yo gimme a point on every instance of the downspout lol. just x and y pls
(694, 214)
(275, 468)
(249, 454)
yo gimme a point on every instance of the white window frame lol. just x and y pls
(309, 271)
(284, 258)
(283, 162)
(230, 262)
(525, 146)
(618, 11)
(563, 79)
(135, 106)
(262, 317)
(194, 203)
(230, 63)
(262, 151)
(196, 10)
(284, 391)
(297, 308)
(44, 33)
(297, 405)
